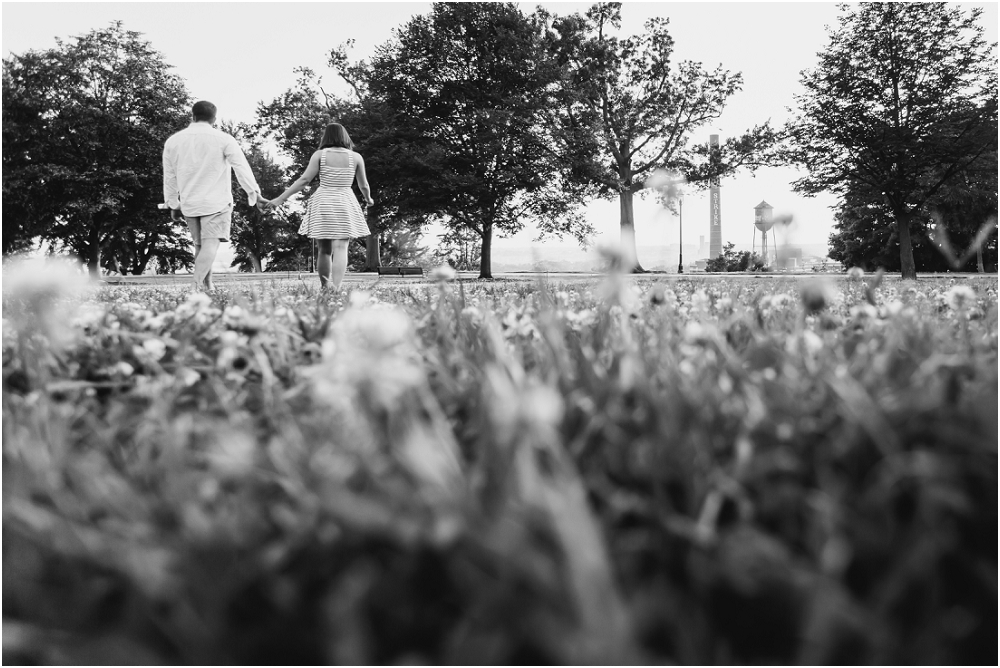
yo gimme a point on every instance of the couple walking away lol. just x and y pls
(198, 163)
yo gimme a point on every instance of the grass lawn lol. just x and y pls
(591, 470)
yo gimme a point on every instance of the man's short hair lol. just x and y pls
(203, 111)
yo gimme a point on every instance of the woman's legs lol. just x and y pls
(324, 263)
(339, 262)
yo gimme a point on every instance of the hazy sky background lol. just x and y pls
(238, 54)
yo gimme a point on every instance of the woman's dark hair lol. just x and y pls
(336, 136)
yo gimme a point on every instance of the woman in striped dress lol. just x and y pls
(333, 215)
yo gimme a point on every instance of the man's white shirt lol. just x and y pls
(198, 163)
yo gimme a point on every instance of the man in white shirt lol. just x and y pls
(198, 164)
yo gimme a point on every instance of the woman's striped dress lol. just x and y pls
(333, 211)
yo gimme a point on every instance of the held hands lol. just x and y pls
(268, 205)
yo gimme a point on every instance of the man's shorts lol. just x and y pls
(212, 226)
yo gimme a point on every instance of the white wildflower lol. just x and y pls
(812, 342)
(156, 322)
(960, 297)
(89, 315)
(196, 303)
(360, 298)
(232, 453)
(893, 308)
(700, 301)
(864, 311)
(443, 273)
(229, 339)
(781, 299)
(817, 294)
(155, 348)
(473, 315)
(695, 331)
(233, 316)
(187, 377)
(542, 405)
(45, 295)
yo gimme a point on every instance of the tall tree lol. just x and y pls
(394, 159)
(132, 247)
(20, 223)
(963, 209)
(902, 103)
(946, 230)
(864, 235)
(629, 110)
(86, 122)
(471, 82)
(258, 236)
(295, 120)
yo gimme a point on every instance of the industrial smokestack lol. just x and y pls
(715, 208)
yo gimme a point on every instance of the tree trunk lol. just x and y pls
(254, 262)
(980, 265)
(485, 264)
(141, 263)
(94, 253)
(906, 264)
(630, 257)
(373, 245)
(144, 256)
(373, 251)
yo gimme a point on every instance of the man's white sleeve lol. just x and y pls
(235, 157)
(171, 196)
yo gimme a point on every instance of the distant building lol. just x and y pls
(789, 257)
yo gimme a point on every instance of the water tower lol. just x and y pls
(763, 220)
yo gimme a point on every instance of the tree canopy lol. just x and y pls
(472, 84)
(258, 238)
(83, 131)
(902, 105)
(295, 120)
(630, 110)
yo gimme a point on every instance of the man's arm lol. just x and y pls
(171, 195)
(234, 155)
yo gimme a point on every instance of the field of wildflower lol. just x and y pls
(624, 470)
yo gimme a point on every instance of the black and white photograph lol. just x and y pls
(484, 333)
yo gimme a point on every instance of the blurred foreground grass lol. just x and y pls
(609, 472)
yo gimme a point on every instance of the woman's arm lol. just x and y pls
(307, 176)
(362, 179)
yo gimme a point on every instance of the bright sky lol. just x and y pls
(237, 54)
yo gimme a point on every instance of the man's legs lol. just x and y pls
(194, 226)
(208, 232)
(203, 263)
